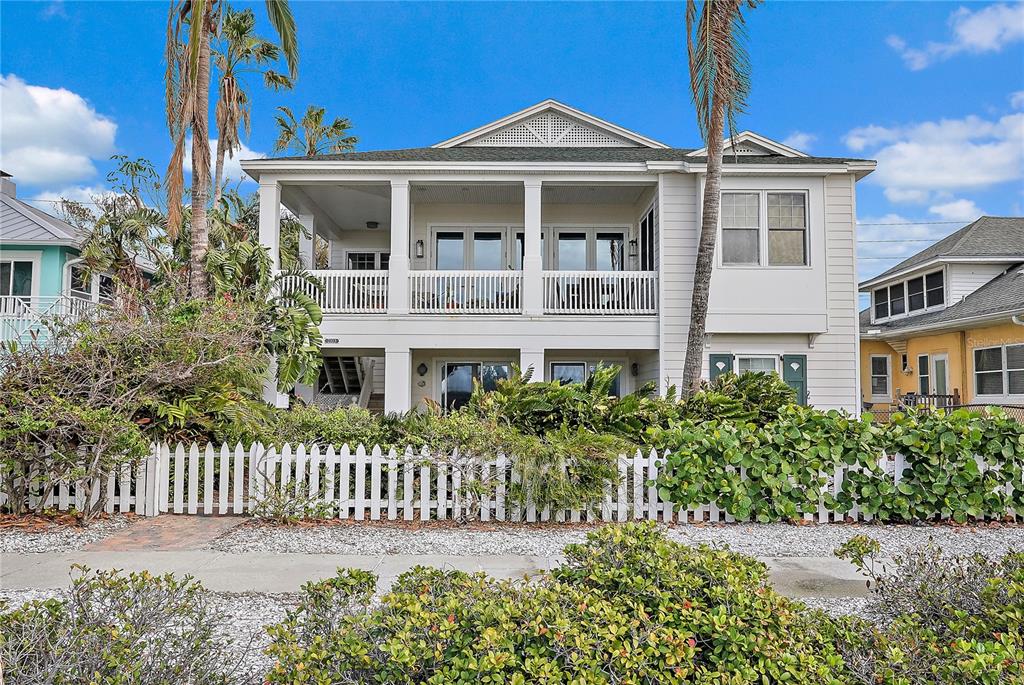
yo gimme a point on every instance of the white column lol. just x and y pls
(270, 237)
(397, 379)
(307, 246)
(270, 220)
(533, 264)
(398, 276)
(534, 359)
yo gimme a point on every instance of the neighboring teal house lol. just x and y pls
(40, 271)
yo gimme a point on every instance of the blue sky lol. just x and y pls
(934, 91)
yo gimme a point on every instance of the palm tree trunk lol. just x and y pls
(198, 282)
(218, 176)
(705, 252)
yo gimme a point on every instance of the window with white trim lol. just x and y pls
(566, 372)
(880, 376)
(910, 296)
(367, 261)
(923, 374)
(999, 371)
(459, 377)
(764, 228)
(97, 287)
(757, 364)
(15, 278)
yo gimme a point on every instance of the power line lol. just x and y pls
(906, 240)
(908, 223)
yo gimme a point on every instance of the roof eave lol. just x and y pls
(868, 285)
(939, 326)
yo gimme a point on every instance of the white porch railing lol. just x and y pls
(20, 315)
(348, 292)
(465, 292)
(600, 292)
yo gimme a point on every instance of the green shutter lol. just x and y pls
(719, 364)
(794, 372)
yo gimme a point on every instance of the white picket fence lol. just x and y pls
(376, 484)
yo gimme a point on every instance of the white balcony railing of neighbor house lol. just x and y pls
(22, 316)
(465, 292)
(347, 292)
(601, 292)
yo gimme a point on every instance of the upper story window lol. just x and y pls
(15, 278)
(764, 228)
(95, 288)
(912, 295)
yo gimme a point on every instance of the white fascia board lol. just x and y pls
(7, 244)
(256, 168)
(557, 106)
(956, 325)
(872, 283)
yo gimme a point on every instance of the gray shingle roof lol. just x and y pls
(1004, 294)
(20, 221)
(989, 236)
(554, 154)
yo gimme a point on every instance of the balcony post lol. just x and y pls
(532, 359)
(270, 237)
(398, 268)
(533, 263)
(307, 246)
(397, 379)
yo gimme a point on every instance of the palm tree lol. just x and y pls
(720, 80)
(240, 52)
(310, 136)
(188, 110)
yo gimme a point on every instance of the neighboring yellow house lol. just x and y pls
(947, 325)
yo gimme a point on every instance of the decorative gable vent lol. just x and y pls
(748, 149)
(550, 129)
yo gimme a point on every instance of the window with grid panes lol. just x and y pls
(740, 228)
(787, 229)
(362, 261)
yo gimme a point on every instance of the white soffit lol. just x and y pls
(550, 124)
(750, 143)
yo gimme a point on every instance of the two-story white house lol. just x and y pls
(555, 240)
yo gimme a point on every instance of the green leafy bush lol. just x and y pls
(934, 619)
(628, 606)
(118, 629)
(769, 473)
(748, 398)
(943, 476)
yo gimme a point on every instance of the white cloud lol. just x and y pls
(232, 165)
(54, 9)
(50, 136)
(45, 200)
(1017, 99)
(800, 140)
(989, 29)
(886, 240)
(916, 161)
(957, 210)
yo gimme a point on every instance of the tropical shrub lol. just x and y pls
(934, 619)
(769, 473)
(628, 606)
(957, 465)
(116, 628)
(748, 398)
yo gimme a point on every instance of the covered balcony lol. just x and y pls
(442, 248)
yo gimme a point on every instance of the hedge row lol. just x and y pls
(959, 465)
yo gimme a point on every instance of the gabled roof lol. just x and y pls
(551, 124)
(750, 143)
(20, 222)
(996, 237)
(1002, 296)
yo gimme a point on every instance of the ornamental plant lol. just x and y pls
(628, 606)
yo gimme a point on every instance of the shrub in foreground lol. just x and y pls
(628, 606)
(935, 619)
(118, 629)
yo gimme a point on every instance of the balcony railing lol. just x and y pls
(22, 316)
(465, 292)
(348, 292)
(601, 292)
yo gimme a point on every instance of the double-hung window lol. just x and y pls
(757, 364)
(999, 371)
(880, 377)
(764, 228)
(923, 374)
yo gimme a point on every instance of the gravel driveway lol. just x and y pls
(762, 540)
(58, 537)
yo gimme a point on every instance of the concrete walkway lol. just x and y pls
(792, 576)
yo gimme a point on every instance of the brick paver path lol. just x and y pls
(167, 532)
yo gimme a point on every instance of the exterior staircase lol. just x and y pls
(341, 376)
(376, 404)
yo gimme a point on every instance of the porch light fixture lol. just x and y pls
(634, 368)
(632, 247)
(419, 249)
(422, 369)
(372, 224)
